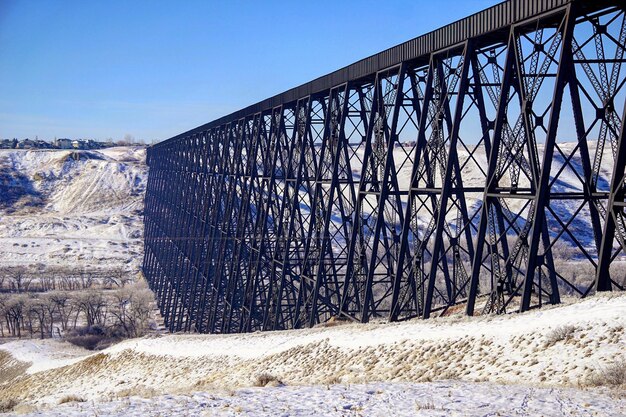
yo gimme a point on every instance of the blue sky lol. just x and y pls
(152, 69)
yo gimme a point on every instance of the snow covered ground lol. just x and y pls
(445, 398)
(45, 354)
(81, 213)
(496, 365)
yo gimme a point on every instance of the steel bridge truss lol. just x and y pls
(487, 176)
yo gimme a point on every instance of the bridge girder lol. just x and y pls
(487, 174)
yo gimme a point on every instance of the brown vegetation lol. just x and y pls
(613, 375)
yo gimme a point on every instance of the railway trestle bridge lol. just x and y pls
(477, 168)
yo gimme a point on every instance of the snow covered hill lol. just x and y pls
(547, 360)
(72, 209)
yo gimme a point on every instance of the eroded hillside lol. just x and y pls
(72, 209)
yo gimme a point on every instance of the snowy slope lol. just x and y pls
(398, 358)
(80, 210)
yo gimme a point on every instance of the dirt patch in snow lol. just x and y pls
(10, 368)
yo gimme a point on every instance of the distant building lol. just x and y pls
(8, 143)
(63, 143)
(41, 144)
(92, 144)
(26, 144)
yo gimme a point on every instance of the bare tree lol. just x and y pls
(93, 305)
(141, 308)
(86, 279)
(19, 278)
(119, 309)
(62, 303)
(51, 308)
(37, 311)
(46, 279)
(132, 307)
(67, 279)
(4, 299)
(128, 140)
(14, 314)
(117, 277)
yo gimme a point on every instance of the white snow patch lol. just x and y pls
(44, 354)
(353, 336)
(444, 398)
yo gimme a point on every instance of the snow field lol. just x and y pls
(445, 398)
(515, 349)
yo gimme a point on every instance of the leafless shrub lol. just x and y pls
(613, 375)
(579, 274)
(564, 250)
(335, 321)
(71, 398)
(333, 380)
(264, 379)
(137, 391)
(559, 333)
(428, 405)
(7, 405)
(93, 337)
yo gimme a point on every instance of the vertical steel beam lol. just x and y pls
(507, 80)
(614, 213)
(543, 192)
(446, 189)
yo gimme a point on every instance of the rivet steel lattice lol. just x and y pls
(479, 167)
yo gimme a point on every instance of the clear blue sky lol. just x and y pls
(152, 69)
